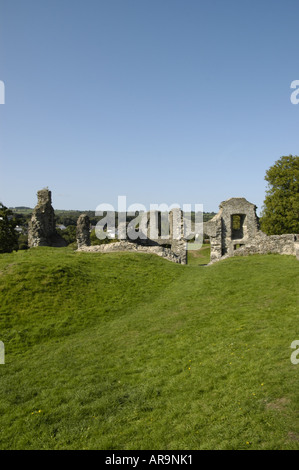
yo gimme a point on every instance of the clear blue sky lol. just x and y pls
(164, 101)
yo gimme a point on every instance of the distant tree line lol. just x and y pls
(68, 219)
(8, 234)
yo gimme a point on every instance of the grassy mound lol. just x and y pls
(129, 351)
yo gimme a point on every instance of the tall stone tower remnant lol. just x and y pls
(83, 231)
(42, 229)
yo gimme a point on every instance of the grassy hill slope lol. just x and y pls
(129, 351)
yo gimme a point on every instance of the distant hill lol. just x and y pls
(21, 209)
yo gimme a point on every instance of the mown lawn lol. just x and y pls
(129, 351)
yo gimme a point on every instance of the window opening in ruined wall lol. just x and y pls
(237, 223)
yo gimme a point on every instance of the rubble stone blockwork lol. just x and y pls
(178, 243)
(173, 248)
(235, 231)
(42, 229)
(128, 246)
(83, 231)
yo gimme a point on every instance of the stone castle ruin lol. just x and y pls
(83, 231)
(42, 227)
(174, 248)
(234, 231)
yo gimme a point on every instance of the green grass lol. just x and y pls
(129, 351)
(199, 257)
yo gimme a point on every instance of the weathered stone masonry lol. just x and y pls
(174, 248)
(235, 231)
(42, 227)
(83, 231)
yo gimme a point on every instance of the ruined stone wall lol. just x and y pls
(178, 243)
(213, 229)
(173, 241)
(150, 240)
(235, 231)
(83, 231)
(42, 229)
(249, 225)
(263, 244)
(133, 248)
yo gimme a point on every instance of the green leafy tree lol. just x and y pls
(94, 240)
(23, 241)
(8, 235)
(281, 206)
(69, 234)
